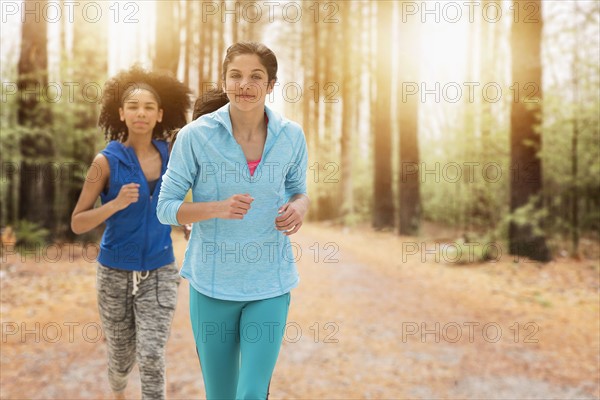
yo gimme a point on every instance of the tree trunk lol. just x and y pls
(167, 37)
(314, 136)
(249, 29)
(347, 95)
(209, 42)
(526, 168)
(89, 63)
(408, 114)
(327, 202)
(487, 58)
(201, 52)
(574, 141)
(470, 149)
(36, 195)
(220, 50)
(188, 42)
(235, 26)
(383, 210)
(307, 34)
(33, 70)
(12, 207)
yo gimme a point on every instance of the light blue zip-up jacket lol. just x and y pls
(240, 260)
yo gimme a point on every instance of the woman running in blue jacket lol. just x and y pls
(246, 167)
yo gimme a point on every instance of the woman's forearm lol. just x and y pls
(301, 199)
(235, 207)
(189, 213)
(85, 221)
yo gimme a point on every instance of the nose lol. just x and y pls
(244, 83)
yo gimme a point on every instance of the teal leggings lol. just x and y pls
(238, 343)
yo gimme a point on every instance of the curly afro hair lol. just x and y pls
(174, 100)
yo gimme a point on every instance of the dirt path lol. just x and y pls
(367, 321)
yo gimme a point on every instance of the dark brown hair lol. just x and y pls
(210, 101)
(266, 56)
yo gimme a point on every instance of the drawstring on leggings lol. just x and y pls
(138, 276)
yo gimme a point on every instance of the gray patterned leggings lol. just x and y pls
(136, 311)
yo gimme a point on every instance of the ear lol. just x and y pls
(270, 86)
(121, 114)
(160, 115)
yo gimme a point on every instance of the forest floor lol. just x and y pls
(370, 319)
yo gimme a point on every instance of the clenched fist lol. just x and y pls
(235, 207)
(129, 193)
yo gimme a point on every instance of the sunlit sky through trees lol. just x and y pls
(443, 57)
(131, 39)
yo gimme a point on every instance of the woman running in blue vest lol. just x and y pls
(246, 166)
(137, 278)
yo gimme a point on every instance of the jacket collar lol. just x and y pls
(275, 125)
(127, 156)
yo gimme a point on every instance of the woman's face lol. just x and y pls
(140, 112)
(247, 83)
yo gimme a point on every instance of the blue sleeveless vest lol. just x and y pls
(134, 239)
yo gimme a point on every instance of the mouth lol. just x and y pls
(140, 123)
(245, 97)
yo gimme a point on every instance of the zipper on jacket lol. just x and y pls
(149, 205)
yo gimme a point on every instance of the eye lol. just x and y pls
(234, 76)
(257, 77)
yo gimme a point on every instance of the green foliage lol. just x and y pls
(466, 185)
(532, 215)
(362, 176)
(11, 159)
(464, 252)
(29, 234)
(541, 300)
(571, 163)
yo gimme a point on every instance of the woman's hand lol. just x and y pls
(235, 207)
(129, 193)
(187, 230)
(85, 216)
(291, 215)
